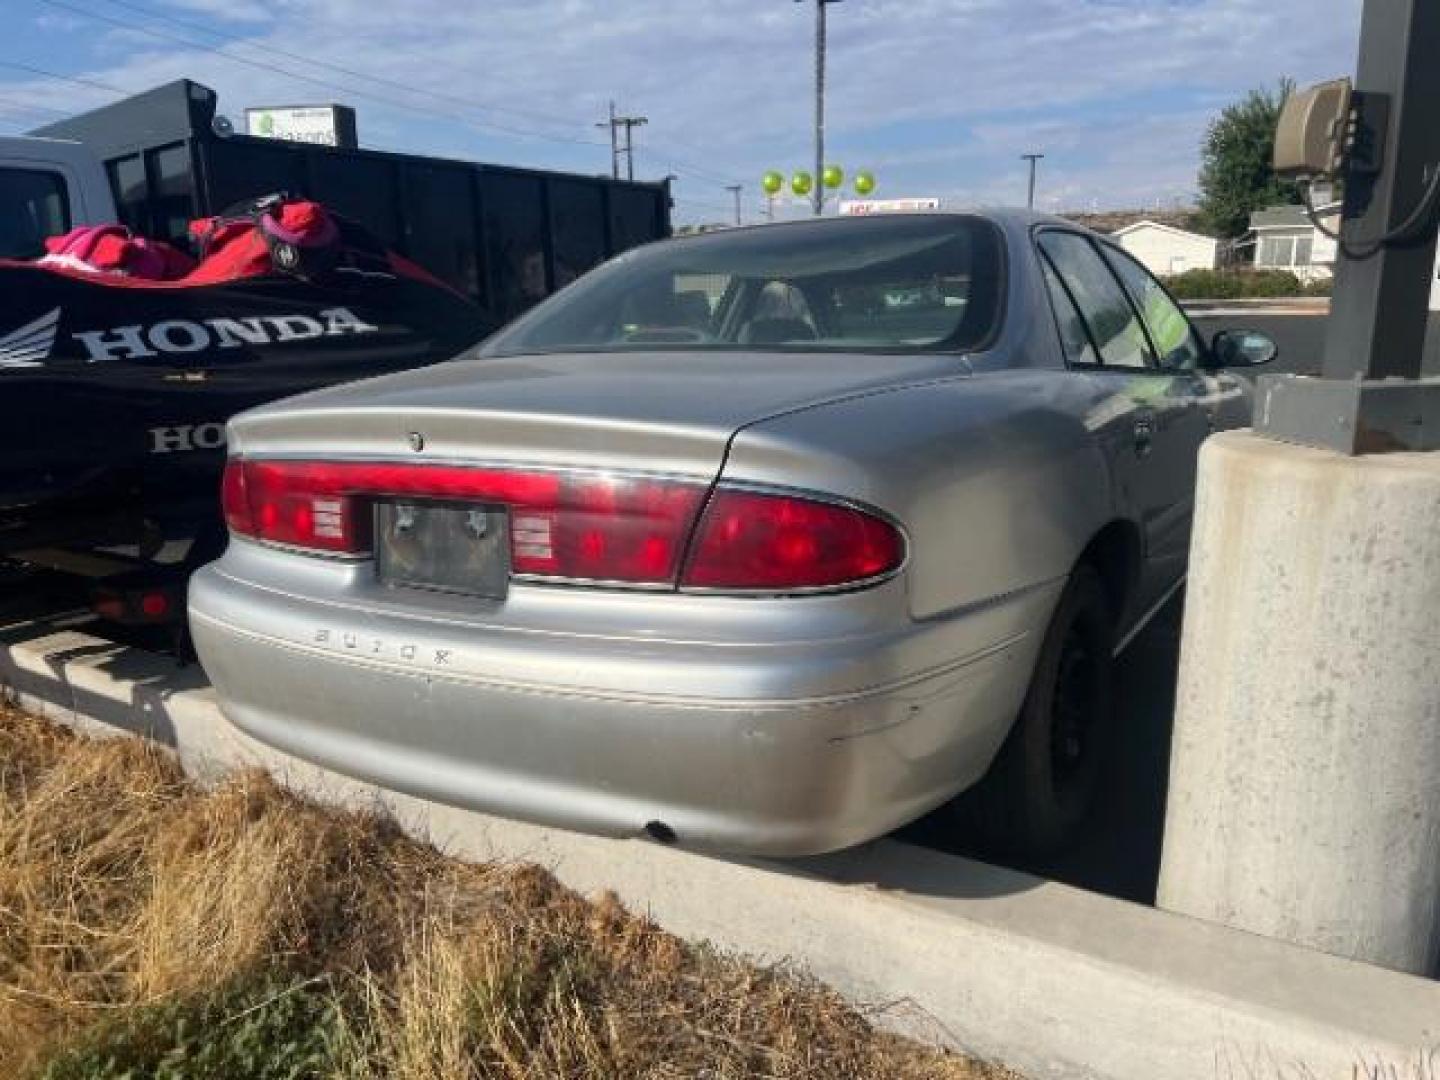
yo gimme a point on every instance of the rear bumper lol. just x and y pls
(779, 747)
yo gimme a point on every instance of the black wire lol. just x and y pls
(1422, 214)
(388, 103)
(76, 79)
(14, 106)
(678, 164)
(315, 62)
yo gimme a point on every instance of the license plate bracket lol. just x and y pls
(443, 546)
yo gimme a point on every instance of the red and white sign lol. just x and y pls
(858, 207)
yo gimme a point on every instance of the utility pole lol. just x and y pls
(1034, 160)
(818, 192)
(735, 190)
(629, 123)
(614, 149)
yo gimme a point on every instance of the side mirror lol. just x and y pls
(1242, 348)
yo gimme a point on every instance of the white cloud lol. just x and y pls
(932, 94)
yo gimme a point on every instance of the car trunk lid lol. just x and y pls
(661, 412)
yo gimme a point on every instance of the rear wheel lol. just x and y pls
(1043, 782)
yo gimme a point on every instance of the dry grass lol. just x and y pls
(124, 887)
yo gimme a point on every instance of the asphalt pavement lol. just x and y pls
(1301, 337)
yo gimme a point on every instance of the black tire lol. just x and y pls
(1043, 783)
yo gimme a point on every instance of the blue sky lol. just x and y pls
(935, 97)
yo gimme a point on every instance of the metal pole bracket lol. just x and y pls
(1350, 416)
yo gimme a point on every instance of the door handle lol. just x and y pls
(1144, 435)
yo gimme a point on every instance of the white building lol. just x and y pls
(1166, 250)
(1284, 239)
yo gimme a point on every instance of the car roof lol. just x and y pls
(1013, 221)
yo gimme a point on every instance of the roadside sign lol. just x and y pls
(323, 125)
(857, 207)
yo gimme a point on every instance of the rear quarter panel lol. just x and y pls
(999, 479)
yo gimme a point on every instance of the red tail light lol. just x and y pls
(234, 500)
(584, 526)
(577, 525)
(760, 541)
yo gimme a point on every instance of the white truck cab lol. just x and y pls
(48, 186)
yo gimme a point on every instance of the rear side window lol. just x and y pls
(1113, 324)
(1073, 336)
(33, 205)
(1169, 329)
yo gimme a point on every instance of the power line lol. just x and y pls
(694, 204)
(14, 106)
(326, 84)
(76, 79)
(315, 62)
(678, 164)
(681, 165)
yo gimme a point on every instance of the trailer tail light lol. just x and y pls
(138, 600)
(776, 543)
(583, 526)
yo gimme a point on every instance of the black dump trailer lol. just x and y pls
(506, 237)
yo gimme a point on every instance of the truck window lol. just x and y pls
(127, 182)
(34, 204)
(170, 203)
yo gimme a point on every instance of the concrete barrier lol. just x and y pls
(1050, 980)
(1305, 780)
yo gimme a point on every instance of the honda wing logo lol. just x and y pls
(30, 345)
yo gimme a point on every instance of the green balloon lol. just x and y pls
(864, 182)
(772, 182)
(833, 176)
(801, 182)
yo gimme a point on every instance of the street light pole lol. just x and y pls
(1033, 159)
(614, 145)
(735, 190)
(818, 197)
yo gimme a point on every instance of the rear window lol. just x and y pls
(883, 284)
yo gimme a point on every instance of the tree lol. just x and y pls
(1236, 176)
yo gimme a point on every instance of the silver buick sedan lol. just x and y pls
(768, 540)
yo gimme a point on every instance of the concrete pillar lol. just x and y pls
(1305, 774)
